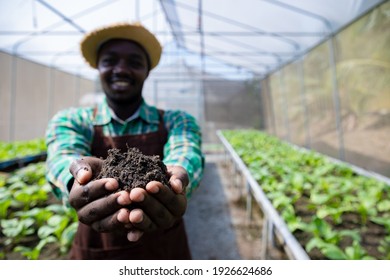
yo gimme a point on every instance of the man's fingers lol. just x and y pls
(158, 212)
(141, 221)
(175, 203)
(178, 178)
(81, 195)
(177, 185)
(99, 209)
(112, 222)
(84, 169)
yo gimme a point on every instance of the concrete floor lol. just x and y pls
(208, 221)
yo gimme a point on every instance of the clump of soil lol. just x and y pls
(133, 169)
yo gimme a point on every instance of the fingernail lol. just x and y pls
(136, 216)
(136, 195)
(122, 199)
(141, 197)
(131, 236)
(111, 185)
(154, 189)
(123, 215)
(179, 184)
(81, 173)
(134, 236)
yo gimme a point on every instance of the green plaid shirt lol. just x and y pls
(70, 133)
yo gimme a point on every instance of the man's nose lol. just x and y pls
(121, 67)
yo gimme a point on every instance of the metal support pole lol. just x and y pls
(12, 100)
(336, 97)
(285, 105)
(271, 235)
(50, 96)
(264, 239)
(304, 104)
(201, 103)
(200, 28)
(249, 210)
(236, 174)
(202, 60)
(271, 105)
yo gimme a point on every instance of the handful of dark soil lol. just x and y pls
(133, 169)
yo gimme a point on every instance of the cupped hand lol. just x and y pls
(158, 207)
(97, 202)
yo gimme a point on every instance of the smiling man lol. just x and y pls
(147, 222)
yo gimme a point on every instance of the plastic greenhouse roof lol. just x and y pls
(245, 38)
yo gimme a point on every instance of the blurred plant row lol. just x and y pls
(31, 218)
(18, 149)
(341, 214)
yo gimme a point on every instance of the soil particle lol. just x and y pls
(133, 169)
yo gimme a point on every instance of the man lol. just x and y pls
(78, 139)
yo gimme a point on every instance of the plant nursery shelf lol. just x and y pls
(12, 164)
(315, 206)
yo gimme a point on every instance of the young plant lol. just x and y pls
(27, 216)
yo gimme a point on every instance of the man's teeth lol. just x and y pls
(121, 83)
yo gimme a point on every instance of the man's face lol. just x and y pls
(123, 68)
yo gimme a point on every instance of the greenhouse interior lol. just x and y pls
(292, 99)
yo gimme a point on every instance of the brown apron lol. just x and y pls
(169, 244)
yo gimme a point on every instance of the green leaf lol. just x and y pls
(56, 220)
(67, 237)
(333, 252)
(354, 234)
(315, 242)
(356, 252)
(45, 231)
(318, 198)
(11, 228)
(4, 205)
(383, 205)
(29, 253)
(56, 208)
(40, 215)
(45, 241)
(297, 180)
(22, 197)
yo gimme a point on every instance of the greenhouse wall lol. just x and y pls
(216, 102)
(30, 94)
(336, 98)
(230, 104)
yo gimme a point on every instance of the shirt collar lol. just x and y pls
(104, 114)
(123, 122)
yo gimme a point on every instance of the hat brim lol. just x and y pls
(133, 32)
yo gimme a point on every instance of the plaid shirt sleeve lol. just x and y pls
(68, 137)
(184, 146)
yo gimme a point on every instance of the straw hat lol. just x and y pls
(134, 32)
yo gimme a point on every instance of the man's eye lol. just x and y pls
(108, 61)
(136, 63)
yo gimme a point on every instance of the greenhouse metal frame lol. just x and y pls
(284, 65)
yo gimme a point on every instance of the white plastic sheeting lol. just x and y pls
(243, 38)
